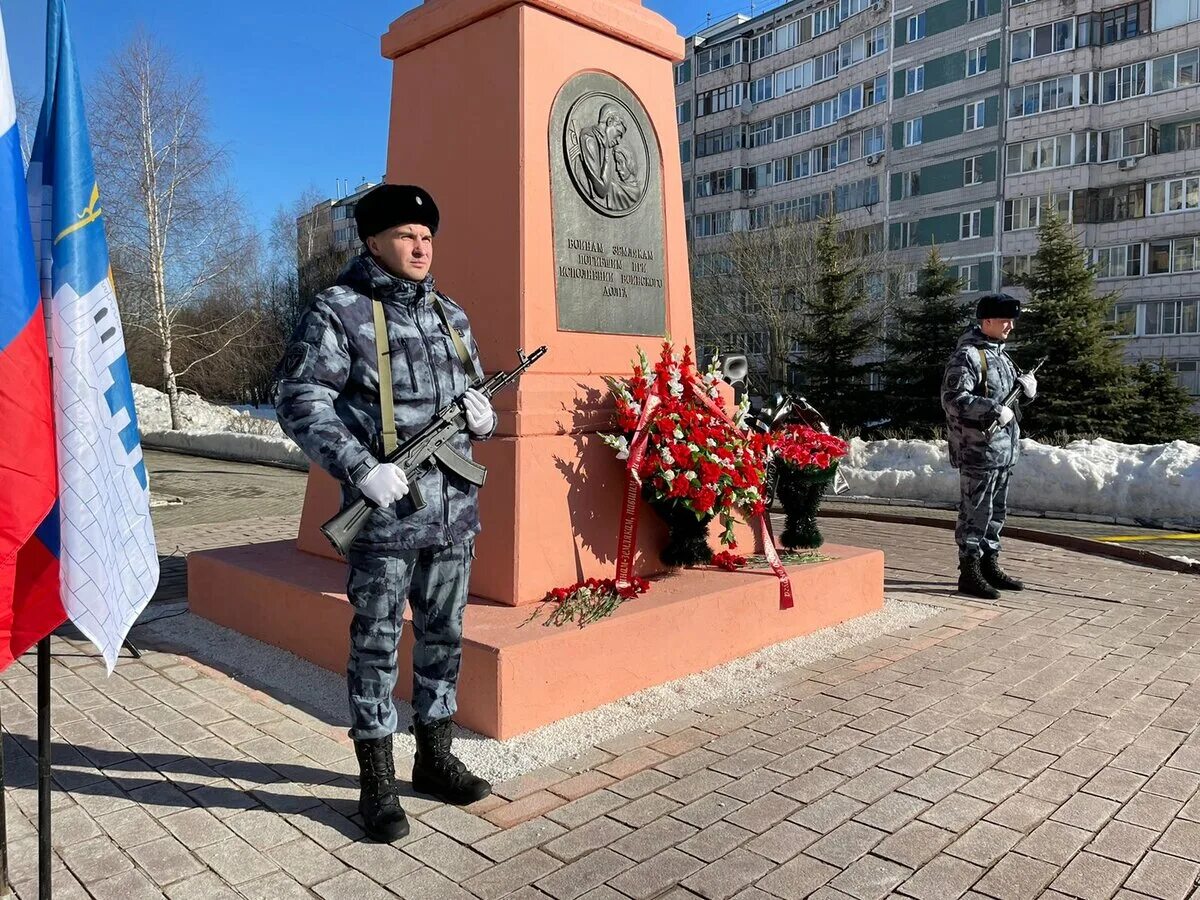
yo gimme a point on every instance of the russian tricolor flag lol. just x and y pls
(30, 605)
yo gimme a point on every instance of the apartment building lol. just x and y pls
(330, 225)
(952, 123)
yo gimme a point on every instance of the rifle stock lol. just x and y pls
(429, 446)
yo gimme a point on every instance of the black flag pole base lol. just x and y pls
(45, 889)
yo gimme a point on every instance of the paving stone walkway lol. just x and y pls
(1046, 746)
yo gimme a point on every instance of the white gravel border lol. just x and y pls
(279, 672)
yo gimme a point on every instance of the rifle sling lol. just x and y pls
(460, 348)
(383, 356)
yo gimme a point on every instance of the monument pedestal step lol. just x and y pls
(517, 674)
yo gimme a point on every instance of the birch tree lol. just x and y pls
(174, 225)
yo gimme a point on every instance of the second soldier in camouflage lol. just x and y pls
(978, 376)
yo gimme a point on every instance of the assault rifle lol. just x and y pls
(1010, 399)
(428, 447)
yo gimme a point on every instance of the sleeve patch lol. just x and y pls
(295, 360)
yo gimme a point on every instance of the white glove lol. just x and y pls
(478, 408)
(1028, 384)
(1006, 415)
(384, 484)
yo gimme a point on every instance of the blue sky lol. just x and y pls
(297, 90)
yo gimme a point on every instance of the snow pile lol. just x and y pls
(1153, 484)
(212, 430)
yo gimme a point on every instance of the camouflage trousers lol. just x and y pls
(982, 506)
(434, 581)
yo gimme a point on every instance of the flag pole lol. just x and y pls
(5, 890)
(45, 889)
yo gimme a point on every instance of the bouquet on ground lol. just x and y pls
(696, 460)
(806, 461)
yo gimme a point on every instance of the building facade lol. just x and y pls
(952, 123)
(330, 225)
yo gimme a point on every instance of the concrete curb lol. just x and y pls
(1133, 555)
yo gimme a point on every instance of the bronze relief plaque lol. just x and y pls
(607, 197)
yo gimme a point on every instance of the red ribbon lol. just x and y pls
(627, 534)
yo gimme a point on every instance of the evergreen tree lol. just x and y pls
(837, 331)
(1084, 386)
(1162, 409)
(926, 332)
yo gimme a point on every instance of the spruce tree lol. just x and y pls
(1162, 409)
(1084, 387)
(926, 332)
(837, 331)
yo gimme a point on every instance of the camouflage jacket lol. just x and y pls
(971, 406)
(327, 398)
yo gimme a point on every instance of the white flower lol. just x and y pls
(678, 434)
(668, 475)
(667, 457)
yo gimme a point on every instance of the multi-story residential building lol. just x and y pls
(330, 225)
(953, 122)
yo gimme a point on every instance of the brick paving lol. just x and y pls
(1046, 746)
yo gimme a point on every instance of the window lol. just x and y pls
(908, 234)
(1118, 143)
(683, 72)
(1124, 82)
(1043, 40)
(760, 217)
(1171, 317)
(974, 116)
(976, 9)
(683, 112)
(720, 99)
(1187, 373)
(1046, 153)
(1124, 318)
(685, 151)
(1015, 268)
(910, 184)
(968, 278)
(873, 141)
(968, 224)
(912, 132)
(709, 224)
(1171, 256)
(914, 80)
(1168, 13)
(710, 143)
(721, 56)
(1177, 70)
(824, 20)
(972, 170)
(1026, 212)
(977, 61)
(762, 89)
(1047, 96)
(1187, 136)
(916, 27)
(1174, 195)
(1115, 204)
(1114, 25)
(760, 133)
(1121, 261)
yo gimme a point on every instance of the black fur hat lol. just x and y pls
(998, 306)
(395, 204)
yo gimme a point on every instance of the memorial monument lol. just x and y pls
(546, 131)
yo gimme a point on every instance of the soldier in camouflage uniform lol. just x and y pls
(328, 401)
(978, 377)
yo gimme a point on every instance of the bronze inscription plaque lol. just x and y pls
(607, 197)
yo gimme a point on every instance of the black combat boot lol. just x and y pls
(383, 819)
(996, 576)
(971, 581)
(438, 772)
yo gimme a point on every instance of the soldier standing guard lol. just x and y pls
(978, 377)
(382, 315)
